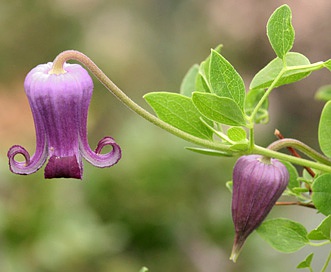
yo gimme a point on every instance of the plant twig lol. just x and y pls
(308, 205)
(294, 152)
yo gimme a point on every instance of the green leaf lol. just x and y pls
(188, 83)
(143, 269)
(219, 109)
(280, 30)
(322, 232)
(321, 196)
(293, 173)
(224, 79)
(323, 93)
(267, 75)
(209, 152)
(202, 79)
(283, 234)
(178, 111)
(324, 130)
(252, 99)
(237, 134)
(307, 262)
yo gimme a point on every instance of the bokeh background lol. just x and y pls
(162, 206)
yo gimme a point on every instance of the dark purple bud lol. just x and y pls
(59, 105)
(257, 184)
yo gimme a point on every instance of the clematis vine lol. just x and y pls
(59, 101)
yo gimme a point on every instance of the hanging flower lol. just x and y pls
(257, 184)
(59, 103)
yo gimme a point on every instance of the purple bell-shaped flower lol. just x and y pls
(257, 184)
(59, 105)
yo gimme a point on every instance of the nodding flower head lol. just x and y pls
(257, 184)
(59, 103)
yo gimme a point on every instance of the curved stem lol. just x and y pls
(117, 92)
(320, 244)
(310, 152)
(299, 161)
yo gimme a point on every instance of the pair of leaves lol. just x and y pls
(289, 236)
(220, 99)
(217, 91)
(223, 95)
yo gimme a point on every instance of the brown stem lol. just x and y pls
(308, 205)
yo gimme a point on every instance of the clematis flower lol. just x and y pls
(257, 184)
(59, 105)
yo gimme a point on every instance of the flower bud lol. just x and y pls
(257, 184)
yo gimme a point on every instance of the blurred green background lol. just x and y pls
(162, 206)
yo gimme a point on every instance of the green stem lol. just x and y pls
(310, 67)
(251, 139)
(295, 160)
(320, 244)
(266, 94)
(325, 266)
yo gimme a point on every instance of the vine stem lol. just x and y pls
(308, 205)
(294, 152)
(266, 94)
(325, 266)
(119, 94)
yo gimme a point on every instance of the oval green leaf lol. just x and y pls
(321, 196)
(324, 130)
(237, 134)
(283, 234)
(225, 80)
(267, 75)
(178, 111)
(219, 109)
(280, 30)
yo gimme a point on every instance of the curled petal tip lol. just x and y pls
(29, 165)
(102, 160)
